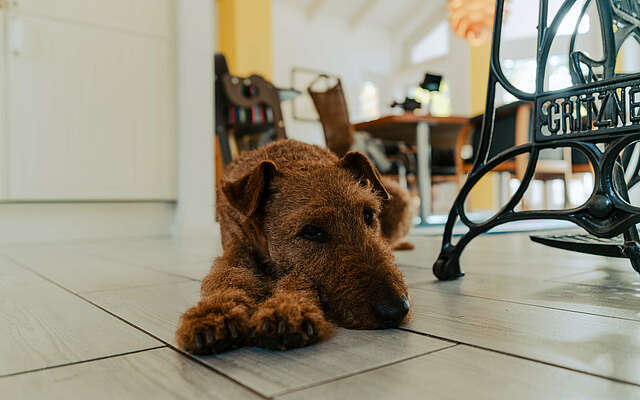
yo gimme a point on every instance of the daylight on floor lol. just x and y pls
(319, 199)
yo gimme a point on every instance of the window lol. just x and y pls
(522, 19)
(369, 101)
(434, 44)
(521, 74)
(571, 19)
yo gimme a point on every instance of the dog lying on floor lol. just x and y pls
(304, 248)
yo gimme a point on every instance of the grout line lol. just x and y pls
(528, 304)
(417, 284)
(323, 382)
(521, 357)
(167, 344)
(138, 286)
(82, 361)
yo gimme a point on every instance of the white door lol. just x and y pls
(90, 90)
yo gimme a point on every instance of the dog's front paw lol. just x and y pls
(215, 325)
(287, 322)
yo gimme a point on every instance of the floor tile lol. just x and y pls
(194, 270)
(347, 353)
(81, 273)
(508, 254)
(415, 275)
(42, 325)
(602, 300)
(595, 344)
(153, 374)
(463, 372)
(606, 276)
(157, 252)
(156, 310)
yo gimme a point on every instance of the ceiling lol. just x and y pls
(402, 18)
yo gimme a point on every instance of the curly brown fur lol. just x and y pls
(397, 215)
(303, 251)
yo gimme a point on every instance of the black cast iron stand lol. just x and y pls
(599, 115)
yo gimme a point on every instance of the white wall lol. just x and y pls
(193, 213)
(328, 44)
(195, 208)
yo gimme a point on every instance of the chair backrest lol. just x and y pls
(254, 91)
(504, 130)
(244, 105)
(331, 106)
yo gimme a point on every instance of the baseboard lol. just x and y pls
(44, 222)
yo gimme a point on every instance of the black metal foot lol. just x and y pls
(631, 249)
(447, 269)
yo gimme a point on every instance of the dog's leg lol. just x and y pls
(220, 320)
(291, 317)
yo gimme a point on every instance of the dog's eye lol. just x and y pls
(368, 216)
(313, 233)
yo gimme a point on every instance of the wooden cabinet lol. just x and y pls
(89, 87)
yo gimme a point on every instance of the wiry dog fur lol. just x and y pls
(303, 249)
(397, 215)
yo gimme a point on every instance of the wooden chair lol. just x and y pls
(244, 107)
(332, 109)
(333, 112)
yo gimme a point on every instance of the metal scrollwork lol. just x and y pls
(598, 115)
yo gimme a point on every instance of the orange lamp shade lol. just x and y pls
(472, 19)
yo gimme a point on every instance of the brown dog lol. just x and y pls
(303, 246)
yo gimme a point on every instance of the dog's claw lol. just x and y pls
(282, 327)
(280, 334)
(209, 337)
(308, 327)
(233, 331)
(214, 326)
(199, 342)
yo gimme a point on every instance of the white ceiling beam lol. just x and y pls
(362, 12)
(424, 12)
(415, 11)
(313, 8)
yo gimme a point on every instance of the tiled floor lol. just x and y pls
(96, 319)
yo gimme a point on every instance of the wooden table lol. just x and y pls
(423, 131)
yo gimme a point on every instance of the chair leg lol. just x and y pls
(402, 176)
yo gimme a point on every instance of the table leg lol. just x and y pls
(424, 170)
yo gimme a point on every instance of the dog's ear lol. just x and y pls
(246, 193)
(361, 168)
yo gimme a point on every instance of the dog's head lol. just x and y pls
(323, 221)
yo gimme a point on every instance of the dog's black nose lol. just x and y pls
(392, 311)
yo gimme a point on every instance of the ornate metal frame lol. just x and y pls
(601, 107)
